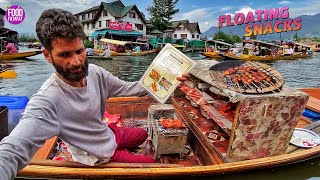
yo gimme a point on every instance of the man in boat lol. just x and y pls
(120, 49)
(71, 104)
(136, 49)
(10, 48)
(90, 51)
(106, 52)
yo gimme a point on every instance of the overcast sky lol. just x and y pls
(205, 12)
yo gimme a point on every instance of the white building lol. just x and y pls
(97, 21)
(184, 30)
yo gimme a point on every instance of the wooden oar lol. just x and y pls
(9, 74)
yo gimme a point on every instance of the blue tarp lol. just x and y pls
(99, 33)
(115, 32)
(314, 116)
(125, 33)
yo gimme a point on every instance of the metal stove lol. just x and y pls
(165, 140)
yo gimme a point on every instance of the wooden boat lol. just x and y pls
(131, 53)
(127, 52)
(100, 57)
(197, 163)
(214, 53)
(246, 57)
(252, 57)
(8, 74)
(316, 47)
(20, 55)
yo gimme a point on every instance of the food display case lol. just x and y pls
(236, 125)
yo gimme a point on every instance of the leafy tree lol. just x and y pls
(295, 37)
(231, 39)
(161, 12)
(237, 38)
(253, 37)
(316, 38)
(25, 37)
(88, 44)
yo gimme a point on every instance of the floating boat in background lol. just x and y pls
(131, 53)
(246, 57)
(315, 47)
(20, 55)
(208, 147)
(8, 74)
(100, 57)
(127, 52)
(215, 52)
(270, 52)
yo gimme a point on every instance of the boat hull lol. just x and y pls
(19, 55)
(244, 57)
(59, 169)
(113, 53)
(211, 55)
(100, 57)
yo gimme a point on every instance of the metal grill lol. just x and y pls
(273, 84)
(165, 140)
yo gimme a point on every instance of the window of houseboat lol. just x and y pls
(139, 26)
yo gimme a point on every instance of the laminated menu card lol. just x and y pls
(160, 78)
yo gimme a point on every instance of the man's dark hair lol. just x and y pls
(58, 23)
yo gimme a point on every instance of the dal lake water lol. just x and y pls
(297, 73)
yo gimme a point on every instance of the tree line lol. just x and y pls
(25, 37)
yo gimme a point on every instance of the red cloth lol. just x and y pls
(128, 138)
(10, 48)
(108, 118)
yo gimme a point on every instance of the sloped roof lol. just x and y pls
(174, 24)
(3, 12)
(156, 31)
(95, 8)
(192, 27)
(117, 9)
(88, 10)
(4, 31)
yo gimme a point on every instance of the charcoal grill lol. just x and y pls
(275, 84)
(165, 140)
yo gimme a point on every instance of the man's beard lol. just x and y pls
(67, 74)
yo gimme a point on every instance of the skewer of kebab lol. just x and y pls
(256, 81)
(267, 79)
(235, 79)
(248, 75)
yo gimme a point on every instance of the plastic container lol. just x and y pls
(16, 105)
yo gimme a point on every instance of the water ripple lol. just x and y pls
(32, 73)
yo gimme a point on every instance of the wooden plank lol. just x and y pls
(45, 150)
(313, 104)
(313, 92)
(38, 171)
(303, 121)
(74, 164)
